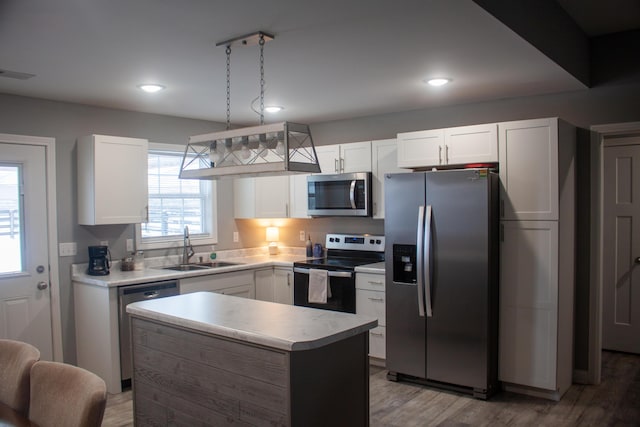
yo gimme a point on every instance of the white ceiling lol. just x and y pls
(330, 59)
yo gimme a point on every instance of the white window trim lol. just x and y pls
(177, 241)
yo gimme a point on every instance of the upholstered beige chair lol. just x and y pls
(16, 360)
(65, 395)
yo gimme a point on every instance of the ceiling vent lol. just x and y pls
(15, 74)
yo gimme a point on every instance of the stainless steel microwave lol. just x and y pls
(345, 194)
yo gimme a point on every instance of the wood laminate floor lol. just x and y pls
(615, 402)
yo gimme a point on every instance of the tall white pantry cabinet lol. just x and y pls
(537, 205)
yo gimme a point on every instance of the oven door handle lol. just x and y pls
(329, 273)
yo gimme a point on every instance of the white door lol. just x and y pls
(621, 247)
(25, 308)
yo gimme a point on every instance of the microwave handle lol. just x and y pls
(352, 194)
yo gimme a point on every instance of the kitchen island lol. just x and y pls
(206, 358)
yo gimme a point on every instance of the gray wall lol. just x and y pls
(615, 103)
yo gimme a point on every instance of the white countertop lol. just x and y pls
(377, 268)
(157, 273)
(280, 326)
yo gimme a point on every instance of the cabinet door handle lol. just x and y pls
(439, 154)
(446, 154)
(335, 165)
(341, 164)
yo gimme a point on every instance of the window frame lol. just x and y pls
(174, 241)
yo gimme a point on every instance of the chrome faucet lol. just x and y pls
(187, 249)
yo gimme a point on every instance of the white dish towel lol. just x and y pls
(319, 289)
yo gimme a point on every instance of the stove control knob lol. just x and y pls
(378, 242)
(337, 240)
(371, 242)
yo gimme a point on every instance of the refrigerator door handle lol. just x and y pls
(419, 262)
(427, 261)
(352, 194)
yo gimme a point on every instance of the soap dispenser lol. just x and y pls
(309, 247)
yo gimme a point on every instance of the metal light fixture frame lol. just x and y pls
(268, 149)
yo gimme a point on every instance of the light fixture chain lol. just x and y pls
(261, 43)
(228, 51)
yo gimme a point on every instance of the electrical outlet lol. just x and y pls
(104, 243)
(68, 249)
(129, 245)
(236, 237)
(302, 236)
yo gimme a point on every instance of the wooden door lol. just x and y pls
(621, 246)
(25, 296)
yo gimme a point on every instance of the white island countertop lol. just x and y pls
(280, 326)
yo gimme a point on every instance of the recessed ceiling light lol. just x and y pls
(438, 81)
(273, 109)
(151, 88)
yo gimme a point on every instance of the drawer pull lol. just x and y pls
(377, 334)
(375, 283)
(376, 299)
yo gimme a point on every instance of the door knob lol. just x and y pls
(637, 260)
(42, 285)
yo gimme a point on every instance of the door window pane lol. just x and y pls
(10, 225)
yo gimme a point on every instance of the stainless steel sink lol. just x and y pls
(200, 266)
(186, 267)
(215, 264)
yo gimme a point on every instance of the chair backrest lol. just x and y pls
(16, 359)
(65, 395)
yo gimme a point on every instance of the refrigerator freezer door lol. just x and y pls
(404, 194)
(457, 333)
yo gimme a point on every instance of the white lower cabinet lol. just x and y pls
(370, 301)
(274, 284)
(536, 309)
(237, 283)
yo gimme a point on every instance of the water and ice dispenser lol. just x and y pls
(404, 264)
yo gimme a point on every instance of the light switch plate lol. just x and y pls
(68, 249)
(129, 245)
(302, 236)
(236, 237)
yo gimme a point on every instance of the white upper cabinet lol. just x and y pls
(112, 180)
(529, 169)
(451, 146)
(471, 144)
(384, 160)
(345, 158)
(298, 198)
(420, 149)
(263, 197)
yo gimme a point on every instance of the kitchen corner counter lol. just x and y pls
(377, 268)
(280, 326)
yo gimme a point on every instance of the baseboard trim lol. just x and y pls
(580, 376)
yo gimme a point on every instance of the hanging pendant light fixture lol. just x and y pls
(266, 149)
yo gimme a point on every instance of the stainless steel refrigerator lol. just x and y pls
(442, 231)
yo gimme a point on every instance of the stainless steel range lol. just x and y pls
(344, 253)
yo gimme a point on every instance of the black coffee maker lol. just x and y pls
(99, 261)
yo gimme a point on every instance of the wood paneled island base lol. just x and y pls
(189, 376)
